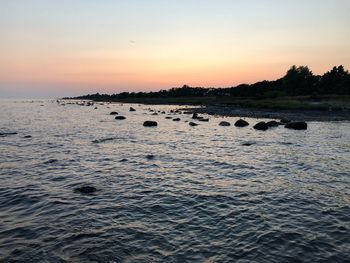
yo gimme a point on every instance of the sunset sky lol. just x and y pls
(73, 47)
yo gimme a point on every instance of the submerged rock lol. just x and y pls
(224, 123)
(7, 133)
(103, 140)
(284, 121)
(241, 123)
(176, 119)
(203, 119)
(113, 113)
(51, 161)
(272, 123)
(85, 189)
(298, 125)
(150, 157)
(168, 118)
(261, 126)
(155, 113)
(132, 109)
(195, 116)
(150, 123)
(193, 124)
(27, 136)
(247, 143)
(120, 118)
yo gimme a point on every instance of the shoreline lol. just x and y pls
(294, 115)
(247, 112)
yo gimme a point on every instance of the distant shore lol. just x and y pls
(298, 95)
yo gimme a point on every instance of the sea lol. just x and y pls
(170, 193)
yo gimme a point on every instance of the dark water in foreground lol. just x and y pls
(204, 197)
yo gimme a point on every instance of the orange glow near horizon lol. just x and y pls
(129, 48)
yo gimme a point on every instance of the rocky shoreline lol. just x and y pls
(295, 115)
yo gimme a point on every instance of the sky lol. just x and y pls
(61, 48)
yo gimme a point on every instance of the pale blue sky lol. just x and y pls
(68, 47)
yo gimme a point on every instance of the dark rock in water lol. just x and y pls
(261, 126)
(241, 123)
(193, 124)
(298, 125)
(85, 189)
(27, 137)
(168, 118)
(203, 119)
(150, 157)
(163, 112)
(150, 123)
(272, 123)
(95, 108)
(286, 143)
(187, 112)
(211, 113)
(155, 113)
(132, 109)
(247, 143)
(284, 121)
(224, 123)
(176, 119)
(120, 118)
(195, 116)
(113, 113)
(123, 160)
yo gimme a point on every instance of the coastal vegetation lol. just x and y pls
(298, 89)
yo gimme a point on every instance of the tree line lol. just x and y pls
(298, 81)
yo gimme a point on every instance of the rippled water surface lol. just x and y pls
(172, 193)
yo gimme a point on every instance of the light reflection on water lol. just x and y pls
(204, 197)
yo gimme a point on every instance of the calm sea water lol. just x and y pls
(204, 197)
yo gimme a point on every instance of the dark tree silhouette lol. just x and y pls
(298, 81)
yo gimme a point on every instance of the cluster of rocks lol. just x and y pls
(261, 126)
(195, 116)
(297, 125)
